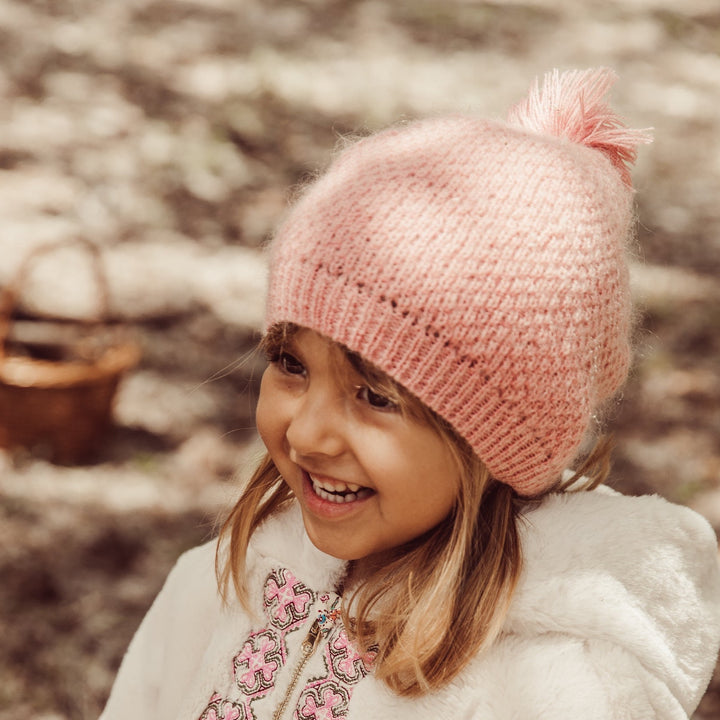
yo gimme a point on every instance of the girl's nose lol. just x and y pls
(315, 429)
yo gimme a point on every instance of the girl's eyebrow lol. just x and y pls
(366, 371)
(356, 363)
(290, 346)
(373, 378)
(288, 340)
(282, 345)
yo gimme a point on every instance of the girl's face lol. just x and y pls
(368, 477)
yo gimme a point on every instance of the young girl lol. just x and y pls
(448, 312)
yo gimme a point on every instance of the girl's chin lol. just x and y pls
(332, 548)
(362, 563)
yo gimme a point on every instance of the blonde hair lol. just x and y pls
(444, 596)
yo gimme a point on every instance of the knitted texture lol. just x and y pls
(482, 266)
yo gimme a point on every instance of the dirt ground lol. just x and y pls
(169, 133)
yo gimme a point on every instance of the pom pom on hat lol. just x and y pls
(572, 105)
(482, 266)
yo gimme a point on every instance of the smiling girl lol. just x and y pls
(448, 313)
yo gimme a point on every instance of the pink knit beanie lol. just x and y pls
(482, 266)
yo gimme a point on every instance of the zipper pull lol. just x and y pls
(312, 639)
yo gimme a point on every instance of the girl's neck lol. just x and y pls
(360, 570)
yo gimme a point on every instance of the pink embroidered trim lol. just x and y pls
(286, 600)
(257, 663)
(288, 603)
(328, 697)
(220, 709)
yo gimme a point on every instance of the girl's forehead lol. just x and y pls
(322, 350)
(312, 341)
(344, 365)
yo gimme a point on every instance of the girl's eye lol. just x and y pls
(290, 364)
(376, 400)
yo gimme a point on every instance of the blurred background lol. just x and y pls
(169, 134)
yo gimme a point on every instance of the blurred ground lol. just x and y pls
(168, 132)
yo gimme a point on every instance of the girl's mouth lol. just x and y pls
(336, 491)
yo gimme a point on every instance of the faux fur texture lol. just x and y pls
(617, 616)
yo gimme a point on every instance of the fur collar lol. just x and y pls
(637, 572)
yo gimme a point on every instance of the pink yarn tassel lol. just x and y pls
(571, 105)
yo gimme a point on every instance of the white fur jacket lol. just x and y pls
(617, 616)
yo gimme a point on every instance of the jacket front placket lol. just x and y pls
(301, 666)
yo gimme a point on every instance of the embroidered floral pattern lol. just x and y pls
(323, 701)
(288, 604)
(327, 618)
(257, 663)
(327, 698)
(220, 709)
(287, 600)
(347, 665)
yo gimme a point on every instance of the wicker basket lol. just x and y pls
(56, 397)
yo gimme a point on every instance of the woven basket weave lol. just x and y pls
(56, 398)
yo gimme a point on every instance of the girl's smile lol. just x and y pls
(336, 491)
(324, 502)
(369, 476)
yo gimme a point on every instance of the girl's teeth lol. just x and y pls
(341, 493)
(339, 499)
(335, 486)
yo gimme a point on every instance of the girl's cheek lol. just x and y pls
(264, 410)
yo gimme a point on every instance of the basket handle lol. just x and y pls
(10, 294)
